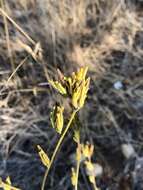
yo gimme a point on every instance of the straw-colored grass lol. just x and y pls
(37, 37)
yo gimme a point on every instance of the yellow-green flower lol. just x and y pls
(80, 93)
(58, 86)
(73, 177)
(69, 83)
(57, 118)
(78, 153)
(90, 168)
(44, 157)
(87, 150)
(7, 184)
(76, 136)
(80, 74)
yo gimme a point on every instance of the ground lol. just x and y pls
(39, 37)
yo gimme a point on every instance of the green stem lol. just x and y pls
(95, 187)
(57, 148)
(77, 174)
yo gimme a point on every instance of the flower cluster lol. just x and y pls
(84, 153)
(76, 86)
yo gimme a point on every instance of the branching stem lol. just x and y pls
(57, 148)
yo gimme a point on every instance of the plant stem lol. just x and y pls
(95, 187)
(77, 174)
(57, 148)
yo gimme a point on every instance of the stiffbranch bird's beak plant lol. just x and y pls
(76, 88)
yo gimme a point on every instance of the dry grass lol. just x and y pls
(36, 38)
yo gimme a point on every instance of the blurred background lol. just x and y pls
(37, 37)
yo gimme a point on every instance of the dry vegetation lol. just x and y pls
(39, 36)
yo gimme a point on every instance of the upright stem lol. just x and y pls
(77, 174)
(95, 187)
(57, 148)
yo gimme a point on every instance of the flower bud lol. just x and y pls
(57, 119)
